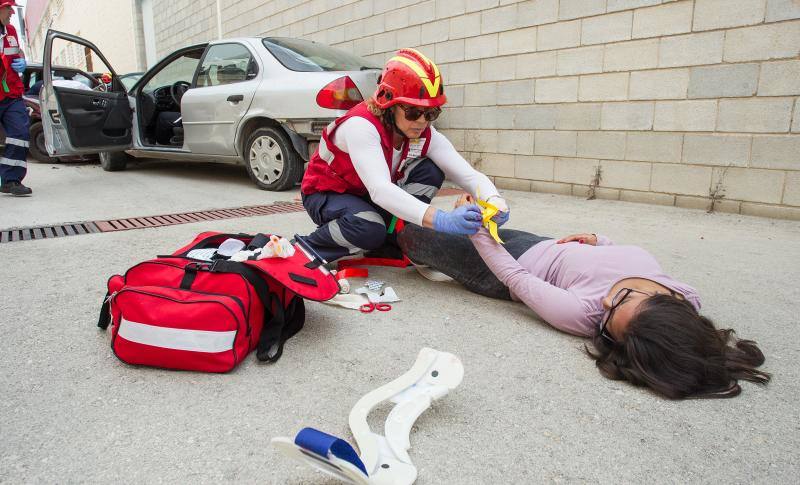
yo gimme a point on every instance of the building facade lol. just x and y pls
(676, 102)
(114, 26)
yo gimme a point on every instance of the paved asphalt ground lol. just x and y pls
(532, 408)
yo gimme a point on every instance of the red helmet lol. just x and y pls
(410, 78)
(8, 3)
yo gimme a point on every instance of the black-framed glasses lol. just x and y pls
(616, 301)
(412, 113)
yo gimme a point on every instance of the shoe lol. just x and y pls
(387, 251)
(431, 274)
(15, 187)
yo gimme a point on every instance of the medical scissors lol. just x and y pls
(371, 307)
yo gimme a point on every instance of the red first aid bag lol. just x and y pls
(175, 312)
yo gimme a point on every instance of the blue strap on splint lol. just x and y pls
(321, 444)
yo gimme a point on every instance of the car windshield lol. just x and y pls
(181, 68)
(128, 80)
(306, 56)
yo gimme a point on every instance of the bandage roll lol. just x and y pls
(344, 286)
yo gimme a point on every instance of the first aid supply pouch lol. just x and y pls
(176, 312)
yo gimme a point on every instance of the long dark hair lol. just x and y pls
(672, 349)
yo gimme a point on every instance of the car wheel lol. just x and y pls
(113, 161)
(37, 147)
(271, 160)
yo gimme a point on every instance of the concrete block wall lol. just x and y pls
(179, 23)
(672, 100)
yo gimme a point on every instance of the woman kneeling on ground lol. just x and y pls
(645, 326)
(383, 159)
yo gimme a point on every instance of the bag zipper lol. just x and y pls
(245, 313)
(142, 292)
(235, 298)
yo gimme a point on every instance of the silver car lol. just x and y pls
(261, 102)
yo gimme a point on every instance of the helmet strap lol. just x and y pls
(388, 120)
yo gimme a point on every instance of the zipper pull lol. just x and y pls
(105, 312)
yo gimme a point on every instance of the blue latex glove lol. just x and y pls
(464, 220)
(19, 64)
(501, 218)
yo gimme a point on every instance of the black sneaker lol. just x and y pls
(15, 188)
(387, 251)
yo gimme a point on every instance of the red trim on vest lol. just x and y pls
(13, 81)
(339, 175)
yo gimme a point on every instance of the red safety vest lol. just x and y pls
(11, 85)
(331, 170)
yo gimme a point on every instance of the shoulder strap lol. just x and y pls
(270, 344)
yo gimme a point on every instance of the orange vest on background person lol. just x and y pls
(331, 170)
(11, 84)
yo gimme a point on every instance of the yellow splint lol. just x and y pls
(489, 210)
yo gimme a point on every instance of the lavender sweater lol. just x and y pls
(566, 283)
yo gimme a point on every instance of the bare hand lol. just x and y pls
(465, 199)
(584, 238)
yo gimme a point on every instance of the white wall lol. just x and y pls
(109, 24)
(672, 100)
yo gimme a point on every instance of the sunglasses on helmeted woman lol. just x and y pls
(412, 113)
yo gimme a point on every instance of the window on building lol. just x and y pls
(226, 64)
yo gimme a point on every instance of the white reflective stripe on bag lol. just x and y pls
(11, 51)
(176, 338)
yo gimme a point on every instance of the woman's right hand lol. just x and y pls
(583, 238)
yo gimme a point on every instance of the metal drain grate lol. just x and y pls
(112, 225)
(198, 216)
(77, 228)
(47, 232)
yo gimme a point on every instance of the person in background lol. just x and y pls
(13, 115)
(383, 159)
(645, 326)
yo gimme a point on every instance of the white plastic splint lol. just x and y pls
(384, 459)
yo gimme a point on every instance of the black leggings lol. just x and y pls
(456, 256)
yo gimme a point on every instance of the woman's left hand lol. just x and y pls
(583, 238)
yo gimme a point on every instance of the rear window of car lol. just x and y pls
(306, 56)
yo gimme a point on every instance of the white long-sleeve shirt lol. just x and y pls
(359, 138)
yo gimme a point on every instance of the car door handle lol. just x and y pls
(235, 98)
(99, 102)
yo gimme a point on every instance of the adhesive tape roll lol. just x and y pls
(344, 286)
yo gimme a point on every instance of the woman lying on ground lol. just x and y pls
(644, 325)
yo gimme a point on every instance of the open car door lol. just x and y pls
(78, 119)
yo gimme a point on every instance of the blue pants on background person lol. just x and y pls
(349, 223)
(16, 123)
